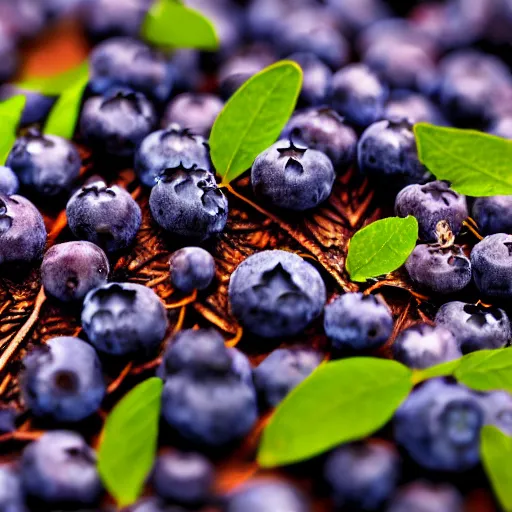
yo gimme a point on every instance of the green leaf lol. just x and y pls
(253, 118)
(381, 247)
(64, 114)
(475, 163)
(339, 402)
(10, 115)
(496, 454)
(439, 370)
(129, 444)
(171, 24)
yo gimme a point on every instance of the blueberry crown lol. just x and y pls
(96, 189)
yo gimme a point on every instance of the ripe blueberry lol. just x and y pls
(422, 496)
(9, 183)
(37, 106)
(192, 268)
(11, 495)
(493, 214)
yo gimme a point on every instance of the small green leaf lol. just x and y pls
(381, 247)
(253, 118)
(439, 370)
(129, 444)
(10, 115)
(496, 454)
(475, 163)
(64, 114)
(339, 402)
(171, 24)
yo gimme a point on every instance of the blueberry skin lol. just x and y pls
(124, 319)
(62, 380)
(9, 55)
(22, 230)
(475, 327)
(188, 203)
(170, 148)
(106, 216)
(387, 152)
(9, 183)
(283, 370)
(46, 164)
(357, 322)
(422, 346)
(11, 495)
(117, 122)
(502, 127)
(155, 505)
(276, 293)
(127, 62)
(497, 406)
(194, 111)
(37, 106)
(430, 204)
(362, 476)
(439, 426)
(191, 268)
(60, 469)
(493, 214)
(267, 495)
(71, 270)
(422, 496)
(324, 130)
(358, 95)
(184, 478)
(415, 107)
(7, 421)
(292, 176)
(441, 270)
(491, 259)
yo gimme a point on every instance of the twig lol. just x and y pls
(471, 228)
(184, 302)
(114, 385)
(150, 365)
(233, 342)
(181, 320)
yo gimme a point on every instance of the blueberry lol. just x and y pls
(72, 269)
(47, 164)
(356, 15)
(324, 130)
(422, 346)
(439, 269)
(127, 62)
(62, 380)
(197, 112)
(492, 265)
(59, 469)
(421, 496)
(169, 148)
(493, 214)
(475, 327)
(155, 505)
(282, 370)
(9, 55)
(439, 426)
(358, 322)
(497, 407)
(276, 293)
(9, 183)
(23, 19)
(362, 476)
(11, 495)
(124, 319)
(387, 152)
(502, 127)
(106, 216)
(358, 95)
(117, 122)
(432, 203)
(192, 268)
(37, 106)
(267, 495)
(22, 230)
(184, 478)
(292, 176)
(188, 203)
(7, 422)
(415, 107)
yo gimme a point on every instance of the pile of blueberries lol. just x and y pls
(371, 70)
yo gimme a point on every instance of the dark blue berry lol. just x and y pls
(7, 422)
(422, 496)
(106, 216)
(439, 269)
(276, 293)
(9, 56)
(71, 270)
(439, 426)
(169, 148)
(502, 127)
(9, 183)
(413, 106)
(475, 327)
(62, 380)
(155, 505)
(59, 469)
(46, 164)
(11, 495)
(493, 214)
(497, 407)
(37, 106)
(117, 122)
(422, 346)
(355, 321)
(124, 319)
(188, 203)
(356, 15)
(192, 268)
(292, 176)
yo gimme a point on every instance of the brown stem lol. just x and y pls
(114, 385)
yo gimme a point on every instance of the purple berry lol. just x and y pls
(9, 183)
(192, 268)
